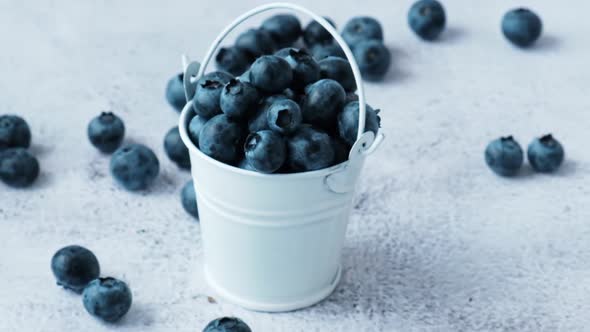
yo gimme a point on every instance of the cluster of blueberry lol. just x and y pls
(18, 167)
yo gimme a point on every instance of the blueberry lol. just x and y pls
(14, 132)
(522, 27)
(348, 121)
(284, 52)
(18, 168)
(74, 267)
(189, 199)
(106, 132)
(206, 99)
(545, 154)
(339, 70)
(504, 156)
(290, 94)
(227, 324)
(244, 164)
(256, 42)
(194, 128)
(362, 28)
(341, 150)
(373, 59)
(323, 51)
(351, 96)
(233, 60)
(107, 298)
(259, 121)
(238, 99)
(221, 139)
(271, 74)
(322, 102)
(265, 151)
(315, 34)
(284, 29)
(175, 149)
(175, 92)
(427, 19)
(309, 150)
(305, 69)
(284, 116)
(134, 166)
(219, 76)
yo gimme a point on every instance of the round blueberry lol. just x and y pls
(322, 102)
(134, 166)
(106, 132)
(175, 92)
(427, 19)
(305, 69)
(362, 28)
(74, 267)
(256, 42)
(18, 168)
(373, 59)
(238, 99)
(271, 74)
(233, 60)
(284, 29)
(284, 116)
(227, 324)
(309, 150)
(221, 139)
(339, 70)
(323, 51)
(265, 151)
(522, 27)
(284, 52)
(107, 298)
(206, 99)
(545, 154)
(188, 198)
(315, 34)
(194, 128)
(504, 156)
(259, 121)
(14, 132)
(175, 149)
(219, 76)
(341, 150)
(348, 121)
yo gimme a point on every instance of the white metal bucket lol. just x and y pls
(273, 242)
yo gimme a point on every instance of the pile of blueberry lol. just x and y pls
(18, 167)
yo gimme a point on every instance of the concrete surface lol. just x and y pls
(436, 241)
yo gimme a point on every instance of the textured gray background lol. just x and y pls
(436, 241)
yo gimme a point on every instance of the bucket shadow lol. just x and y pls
(397, 72)
(546, 43)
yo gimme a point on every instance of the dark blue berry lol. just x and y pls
(351, 96)
(545, 154)
(522, 27)
(427, 19)
(271, 74)
(219, 76)
(341, 150)
(315, 34)
(233, 60)
(339, 70)
(362, 28)
(175, 149)
(284, 116)
(284, 52)
(265, 151)
(244, 164)
(259, 121)
(309, 150)
(348, 121)
(238, 99)
(74, 267)
(108, 299)
(106, 132)
(322, 102)
(323, 51)
(305, 69)
(256, 42)
(284, 29)
(227, 324)
(206, 99)
(18, 168)
(14, 132)
(373, 59)
(504, 156)
(188, 198)
(175, 92)
(194, 128)
(221, 139)
(134, 166)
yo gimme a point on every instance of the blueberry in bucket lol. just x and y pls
(284, 29)
(238, 99)
(309, 149)
(504, 156)
(323, 51)
(206, 99)
(14, 132)
(305, 69)
(339, 70)
(74, 267)
(271, 74)
(221, 139)
(18, 168)
(256, 42)
(106, 132)
(134, 166)
(284, 116)
(175, 149)
(265, 151)
(194, 128)
(322, 102)
(316, 34)
(259, 121)
(108, 299)
(233, 60)
(348, 121)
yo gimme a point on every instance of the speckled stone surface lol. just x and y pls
(436, 242)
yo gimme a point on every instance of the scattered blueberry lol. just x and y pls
(14, 132)
(221, 139)
(265, 151)
(134, 166)
(106, 132)
(206, 99)
(233, 60)
(362, 28)
(522, 27)
(427, 19)
(322, 102)
(545, 154)
(504, 156)
(339, 70)
(315, 34)
(271, 74)
(175, 92)
(175, 149)
(107, 298)
(284, 29)
(74, 267)
(194, 128)
(259, 121)
(227, 324)
(189, 199)
(348, 121)
(284, 116)
(309, 150)
(373, 59)
(18, 168)
(256, 42)
(323, 51)
(238, 99)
